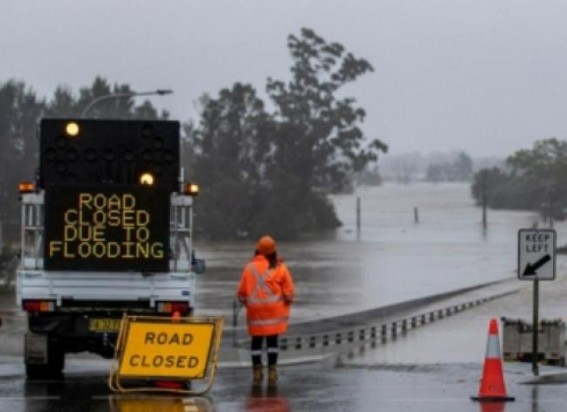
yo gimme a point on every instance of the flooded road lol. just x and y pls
(392, 259)
(425, 388)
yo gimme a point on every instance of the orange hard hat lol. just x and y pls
(266, 245)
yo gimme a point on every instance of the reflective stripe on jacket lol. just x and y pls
(267, 294)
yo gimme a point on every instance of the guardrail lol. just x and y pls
(380, 332)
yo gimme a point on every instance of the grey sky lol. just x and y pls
(484, 76)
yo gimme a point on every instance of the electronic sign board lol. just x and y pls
(117, 152)
(112, 228)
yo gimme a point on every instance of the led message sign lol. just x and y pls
(112, 229)
(111, 151)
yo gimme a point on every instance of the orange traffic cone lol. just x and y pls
(492, 386)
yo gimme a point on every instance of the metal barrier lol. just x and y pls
(387, 330)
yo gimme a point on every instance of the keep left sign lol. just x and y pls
(536, 254)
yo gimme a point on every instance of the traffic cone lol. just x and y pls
(492, 385)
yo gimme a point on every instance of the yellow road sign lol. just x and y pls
(164, 349)
(167, 350)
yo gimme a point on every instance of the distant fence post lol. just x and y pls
(358, 214)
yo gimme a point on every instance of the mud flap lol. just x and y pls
(43, 359)
(36, 349)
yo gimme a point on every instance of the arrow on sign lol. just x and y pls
(530, 269)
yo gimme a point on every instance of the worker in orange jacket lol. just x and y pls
(266, 289)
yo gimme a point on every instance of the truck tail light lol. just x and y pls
(38, 305)
(171, 307)
(191, 189)
(26, 187)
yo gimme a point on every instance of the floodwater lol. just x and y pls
(393, 258)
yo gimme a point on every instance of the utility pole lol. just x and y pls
(358, 216)
(484, 197)
(549, 209)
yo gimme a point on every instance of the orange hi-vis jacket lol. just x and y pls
(267, 294)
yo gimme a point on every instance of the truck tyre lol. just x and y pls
(52, 370)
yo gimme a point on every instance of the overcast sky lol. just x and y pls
(484, 76)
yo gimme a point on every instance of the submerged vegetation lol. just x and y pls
(533, 179)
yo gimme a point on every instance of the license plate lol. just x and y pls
(104, 325)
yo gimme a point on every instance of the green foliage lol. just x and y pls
(271, 172)
(504, 190)
(20, 112)
(460, 170)
(536, 180)
(259, 171)
(232, 145)
(66, 104)
(318, 134)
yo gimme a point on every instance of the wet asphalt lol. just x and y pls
(416, 370)
(323, 386)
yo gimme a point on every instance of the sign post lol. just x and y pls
(536, 261)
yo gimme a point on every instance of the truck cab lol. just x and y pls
(106, 231)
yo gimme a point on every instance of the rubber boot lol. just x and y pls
(257, 374)
(272, 375)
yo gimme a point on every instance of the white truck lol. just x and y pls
(106, 230)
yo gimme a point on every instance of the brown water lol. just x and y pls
(392, 259)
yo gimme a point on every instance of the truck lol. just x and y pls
(106, 230)
(518, 341)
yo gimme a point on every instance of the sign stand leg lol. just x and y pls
(535, 330)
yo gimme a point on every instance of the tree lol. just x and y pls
(272, 172)
(232, 150)
(503, 190)
(65, 104)
(535, 181)
(459, 170)
(545, 169)
(463, 167)
(20, 110)
(318, 144)
(318, 137)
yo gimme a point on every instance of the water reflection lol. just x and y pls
(492, 406)
(159, 403)
(535, 398)
(389, 260)
(262, 399)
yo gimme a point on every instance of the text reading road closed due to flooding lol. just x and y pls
(167, 350)
(88, 224)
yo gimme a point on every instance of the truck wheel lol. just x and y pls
(52, 370)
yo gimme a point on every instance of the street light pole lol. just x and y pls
(158, 92)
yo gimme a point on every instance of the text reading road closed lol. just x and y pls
(167, 350)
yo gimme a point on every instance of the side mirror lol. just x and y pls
(199, 266)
